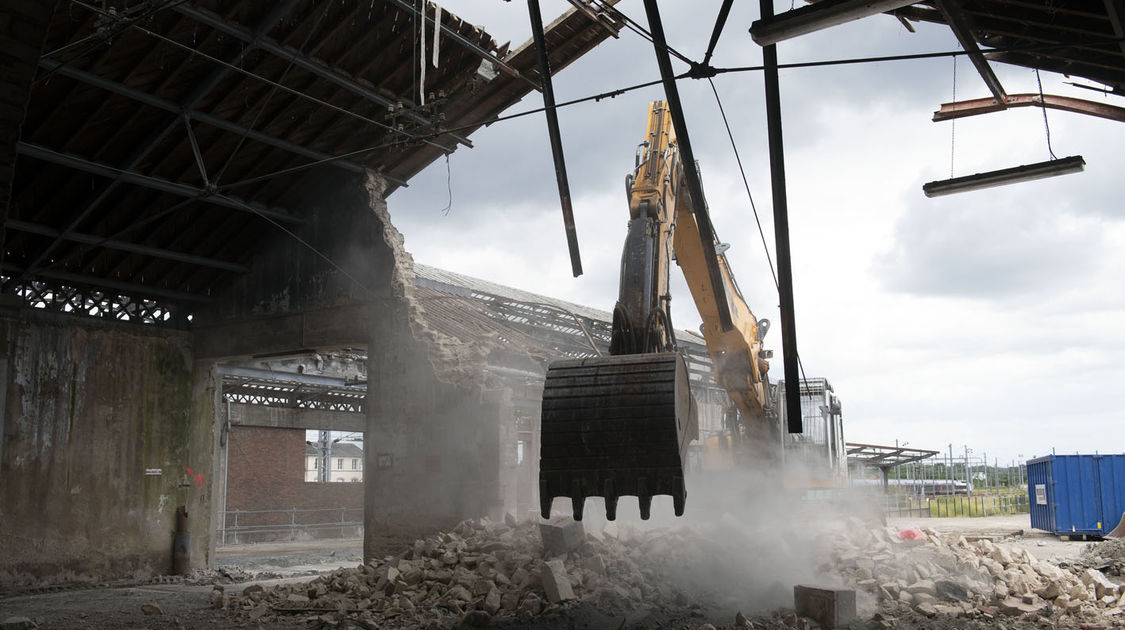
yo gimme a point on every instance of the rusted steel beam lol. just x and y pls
(974, 107)
(951, 9)
(556, 140)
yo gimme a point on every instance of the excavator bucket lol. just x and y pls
(615, 426)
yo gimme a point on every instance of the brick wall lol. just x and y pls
(265, 471)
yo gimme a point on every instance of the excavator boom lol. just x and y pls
(621, 424)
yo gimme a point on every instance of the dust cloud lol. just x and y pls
(744, 541)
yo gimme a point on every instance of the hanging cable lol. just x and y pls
(761, 232)
(953, 123)
(746, 184)
(1046, 126)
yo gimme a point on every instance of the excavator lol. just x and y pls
(620, 425)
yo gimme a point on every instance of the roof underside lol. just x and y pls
(155, 153)
(159, 143)
(1078, 38)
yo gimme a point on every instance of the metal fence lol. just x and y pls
(955, 505)
(250, 526)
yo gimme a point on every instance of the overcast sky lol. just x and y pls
(993, 319)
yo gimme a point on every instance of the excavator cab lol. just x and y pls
(621, 424)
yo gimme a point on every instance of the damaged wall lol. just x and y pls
(433, 428)
(101, 442)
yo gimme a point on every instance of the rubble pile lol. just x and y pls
(488, 569)
(1107, 556)
(949, 576)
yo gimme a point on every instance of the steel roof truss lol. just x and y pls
(954, 17)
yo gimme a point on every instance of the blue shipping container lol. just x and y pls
(1076, 494)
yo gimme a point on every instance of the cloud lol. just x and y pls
(988, 251)
(990, 318)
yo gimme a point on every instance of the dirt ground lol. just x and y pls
(187, 604)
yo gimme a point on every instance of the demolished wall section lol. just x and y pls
(99, 448)
(433, 437)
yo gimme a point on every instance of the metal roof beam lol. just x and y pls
(155, 101)
(110, 243)
(155, 183)
(961, 109)
(1115, 11)
(272, 18)
(951, 9)
(298, 59)
(259, 374)
(469, 45)
(108, 283)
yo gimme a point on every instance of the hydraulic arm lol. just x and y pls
(621, 425)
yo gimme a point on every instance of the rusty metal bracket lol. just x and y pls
(975, 107)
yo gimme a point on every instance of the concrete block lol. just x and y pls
(556, 582)
(830, 607)
(561, 535)
(1101, 584)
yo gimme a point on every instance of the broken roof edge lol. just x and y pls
(451, 281)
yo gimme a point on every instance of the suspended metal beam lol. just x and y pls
(794, 422)
(467, 44)
(155, 183)
(691, 172)
(295, 57)
(107, 283)
(962, 109)
(124, 246)
(951, 9)
(814, 17)
(556, 140)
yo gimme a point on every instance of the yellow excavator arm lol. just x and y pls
(621, 425)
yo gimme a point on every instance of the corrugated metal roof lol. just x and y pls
(459, 284)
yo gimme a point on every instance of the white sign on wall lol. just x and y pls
(1040, 494)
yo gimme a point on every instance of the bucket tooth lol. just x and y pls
(610, 495)
(615, 426)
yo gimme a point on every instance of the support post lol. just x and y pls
(556, 139)
(781, 231)
(691, 173)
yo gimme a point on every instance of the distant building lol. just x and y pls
(345, 462)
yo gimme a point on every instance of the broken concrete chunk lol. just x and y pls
(948, 589)
(1102, 585)
(491, 603)
(831, 607)
(459, 593)
(1014, 607)
(556, 582)
(18, 623)
(922, 586)
(531, 604)
(152, 609)
(561, 535)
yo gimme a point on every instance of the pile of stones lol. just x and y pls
(950, 576)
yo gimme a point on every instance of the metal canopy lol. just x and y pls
(875, 456)
(165, 142)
